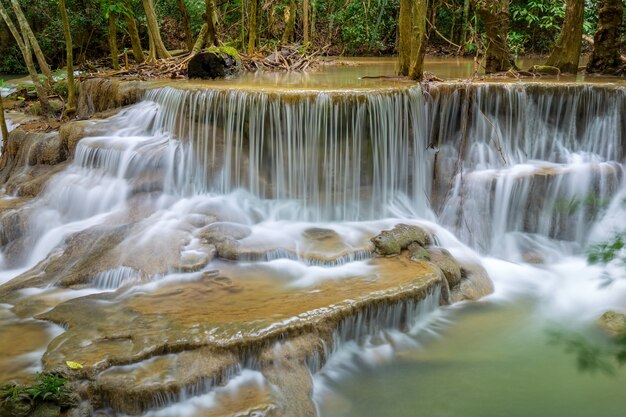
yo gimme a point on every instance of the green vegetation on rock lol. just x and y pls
(47, 396)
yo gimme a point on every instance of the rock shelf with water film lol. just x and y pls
(206, 239)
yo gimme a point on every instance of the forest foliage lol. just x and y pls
(341, 27)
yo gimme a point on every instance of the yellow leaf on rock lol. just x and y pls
(74, 365)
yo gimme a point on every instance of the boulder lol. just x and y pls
(475, 284)
(448, 265)
(613, 323)
(213, 64)
(394, 241)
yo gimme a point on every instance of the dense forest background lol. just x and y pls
(338, 27)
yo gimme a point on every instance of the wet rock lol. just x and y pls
(417, 252)
(448, 265)
(475, 284)
(101, 94)
(164, 379)
(31, 180)
(394, 241)
(219, 231)
(544, 70)
(16, 408)
(293, 387)
(253, 311)
(213, 64)
(103, 248)
(613, 323)
(533, 258)
(225, 236)
(26, 148)
(71, 133)
(195, 260)
(228, 249)
(84, 409)
(47, 410)
(318, 233)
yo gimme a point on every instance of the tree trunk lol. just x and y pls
(134, 35)
(290, 22)
(201, 40)
(305, 22)
(29, 36)
(404, 36)
(157, 48)
(70, 108)
(313, 20)
(3, 127)
(112, 35)
(605, 58)
(418, 39)
(465, 25)
(186, 27)
(27, 54)
(252, 34)
(566, 53)
(243, 24)
(495, 15)
(210, 22)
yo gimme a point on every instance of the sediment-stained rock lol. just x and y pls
(236, 313)
(100, 94)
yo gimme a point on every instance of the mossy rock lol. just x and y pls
(215, 62)
(394, 241)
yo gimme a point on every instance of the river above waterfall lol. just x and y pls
(376, 73)
(224, 247)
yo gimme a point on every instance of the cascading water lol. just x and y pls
(348, 156)
(527, 174)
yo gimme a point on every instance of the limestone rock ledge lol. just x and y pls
(147, 349)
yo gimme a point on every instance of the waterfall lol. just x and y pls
(342, 156)
(297, 183)
(542, 160)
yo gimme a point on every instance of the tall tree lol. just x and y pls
(252, 16)
(157, 48)
(466, 24)
(112, 35)
(207, 35)
(29, 37)
(202, 37)
(418, 44)
(209, 18)
(24, 46)
(605, 58)
(70, 108)
(495, 15)
(412, 37)
(133, 32)
(185, 18)
(243, 24)
(290, 22)
(305, 22)
(566, 52)
(404, 35)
